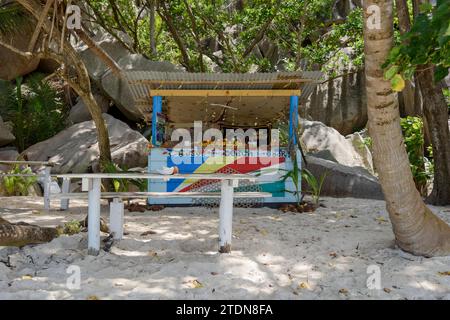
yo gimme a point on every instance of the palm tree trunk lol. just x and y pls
(20, 234)
(417, 230)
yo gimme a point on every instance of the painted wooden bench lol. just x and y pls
(92, 184)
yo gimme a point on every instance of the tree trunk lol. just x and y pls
(20, 234)
(436, 116)
(404, 22)
(417, 230)
(81, 85)
(99, 52)
(407, 96)
(152, 28)
(436, 113)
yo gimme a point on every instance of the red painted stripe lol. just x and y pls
(235, 167)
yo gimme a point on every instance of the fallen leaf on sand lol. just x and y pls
(155, 208)
(264, 232)
(387, 290)
(27, 277)
(92, 298)
(146, 233)
(196, 284)
(381, 219)
(444, 273)
(343, 291)
(152, 253)
(304, 285)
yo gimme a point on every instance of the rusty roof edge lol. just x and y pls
(141, 90)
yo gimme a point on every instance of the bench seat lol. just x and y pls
(136, 195)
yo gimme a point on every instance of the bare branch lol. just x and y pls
(25, 54)
(37, 31)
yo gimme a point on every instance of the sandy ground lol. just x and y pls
(323, 255)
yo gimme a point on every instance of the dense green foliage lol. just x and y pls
(13, 19)
(17, 185)
(315, 184)
(203, 35)
(35, 109)
(447, 97)
(72, 227)
(123, 185)
(428, 42)
(421, 167)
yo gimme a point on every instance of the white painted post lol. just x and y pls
(47, 182)
(65, 189)
(226, 216)
(94, 216)
(84, 184)
(116, 210)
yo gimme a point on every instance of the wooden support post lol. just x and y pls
(65, 188)
(116, 210)
(293, 119)
(157, 108)
(47, 182)
(226, 216)
(94, 216)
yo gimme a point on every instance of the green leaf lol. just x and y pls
(397, 83)
(447, 33)
(391, 72)
(426, 7)
(408, 73)
(440, 73)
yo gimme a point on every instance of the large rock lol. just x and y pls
(14, 65)
(95, 66)
(7, 154)
(117, 88)
(339, 103)
(357, 139)
(343, 181)
(326, 142)
(79, 112)
(75, 149)
(6, 137)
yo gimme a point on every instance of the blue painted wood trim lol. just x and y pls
(157, 107)
(293, 118)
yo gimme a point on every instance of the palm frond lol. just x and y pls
(13, 19)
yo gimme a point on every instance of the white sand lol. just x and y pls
(273, 254)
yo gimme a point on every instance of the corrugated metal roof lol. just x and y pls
(142, 82)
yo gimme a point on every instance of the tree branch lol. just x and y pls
(165, 15)
(25, 54)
